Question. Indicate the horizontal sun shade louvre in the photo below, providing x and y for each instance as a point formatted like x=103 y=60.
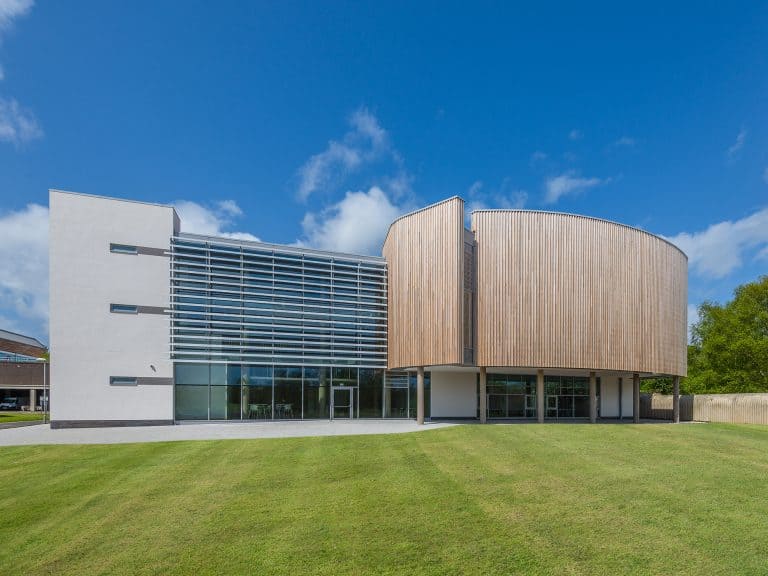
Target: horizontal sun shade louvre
x=123 y=380
x=124 y=308
x=262 y=304
x=123 y=249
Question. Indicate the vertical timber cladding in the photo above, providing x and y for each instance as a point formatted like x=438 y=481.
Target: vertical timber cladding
x=565 y=291
x=424 y=252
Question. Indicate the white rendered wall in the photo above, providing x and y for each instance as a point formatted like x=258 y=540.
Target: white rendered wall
x=88 y=343
x=609 y=396
x=453 y=395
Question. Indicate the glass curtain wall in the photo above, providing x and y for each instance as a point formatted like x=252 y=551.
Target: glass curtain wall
x=400 y=394
x=240 y=391
x=511 y=396
x=514 y=396
x=566 y=396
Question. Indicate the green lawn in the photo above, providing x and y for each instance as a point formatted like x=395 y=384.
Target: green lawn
x=20 y=416
x=529 y=499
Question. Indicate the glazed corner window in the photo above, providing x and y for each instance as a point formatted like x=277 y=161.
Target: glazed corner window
x=123 y=249
x=123 y=380
x=123 y=309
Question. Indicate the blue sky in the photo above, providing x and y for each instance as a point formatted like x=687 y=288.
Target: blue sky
x=319 y=123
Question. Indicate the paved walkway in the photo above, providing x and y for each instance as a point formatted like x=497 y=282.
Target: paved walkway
x=42 y=433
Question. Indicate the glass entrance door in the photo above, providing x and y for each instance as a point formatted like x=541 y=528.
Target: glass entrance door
x=530 y=406
x=552 y=406
x=342 y=402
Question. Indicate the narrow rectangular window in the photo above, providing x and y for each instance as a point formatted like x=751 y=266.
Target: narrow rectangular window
x=123 y=249
x=123 y=380
x=123 y=308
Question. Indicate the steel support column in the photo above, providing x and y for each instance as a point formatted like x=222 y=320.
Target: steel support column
x=540 y=395
x=676 y=400
x=420 y=395
x=636 y=398
x=483 y=395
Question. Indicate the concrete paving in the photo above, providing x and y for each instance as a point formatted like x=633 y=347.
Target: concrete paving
x=42 y=433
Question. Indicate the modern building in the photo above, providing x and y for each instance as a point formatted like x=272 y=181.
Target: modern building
x=525 y=315
x=23 y=371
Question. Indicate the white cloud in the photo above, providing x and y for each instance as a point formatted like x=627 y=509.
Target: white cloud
x=9 y=11
x=17 y=125
x=24 y=270
x=734 y=148
x=625 y=141
x=365 y=142
x=230 y=207
x=538 y=156
x=568 y=183
x=357 y=224
x=211 y=221
x=505 y=198
x=720 y=249
x=575 y=135
x=475 y=189
x=12 y=9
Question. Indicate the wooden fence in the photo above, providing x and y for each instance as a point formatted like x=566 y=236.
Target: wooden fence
x=732 y=408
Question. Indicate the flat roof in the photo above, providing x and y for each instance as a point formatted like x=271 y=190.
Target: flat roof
x=101 y=197
x=283 y=248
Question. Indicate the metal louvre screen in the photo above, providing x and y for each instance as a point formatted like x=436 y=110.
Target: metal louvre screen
x=264 y=304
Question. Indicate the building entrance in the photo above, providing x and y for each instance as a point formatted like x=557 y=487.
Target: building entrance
x=342 y=402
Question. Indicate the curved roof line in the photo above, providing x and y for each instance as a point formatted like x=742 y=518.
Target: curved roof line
x=422 y=209
x=554 y=212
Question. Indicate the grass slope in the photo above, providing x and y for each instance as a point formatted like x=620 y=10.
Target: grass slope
x=549 y=499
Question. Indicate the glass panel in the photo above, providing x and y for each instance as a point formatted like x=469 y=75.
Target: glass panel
x=218 y=402
x=287 y=398
x=516 y=406
x=192 y=374
x=551 y=407
x=345 y=376
x=395 y=402
x=581 y=406
x=412 y=380
x=565 y=406
x=191 y=402
x=530 y=406
x=497 y=406
x=123 y=249
x=218 y=374
x=287 y=392
x=343 y=399
x=257 y=392
x=370 y=392
x=316 y=393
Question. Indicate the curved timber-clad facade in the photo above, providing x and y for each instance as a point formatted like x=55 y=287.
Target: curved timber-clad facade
x=565 y=291
x=424 y=252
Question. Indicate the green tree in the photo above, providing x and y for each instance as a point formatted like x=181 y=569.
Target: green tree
x=729 y=343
